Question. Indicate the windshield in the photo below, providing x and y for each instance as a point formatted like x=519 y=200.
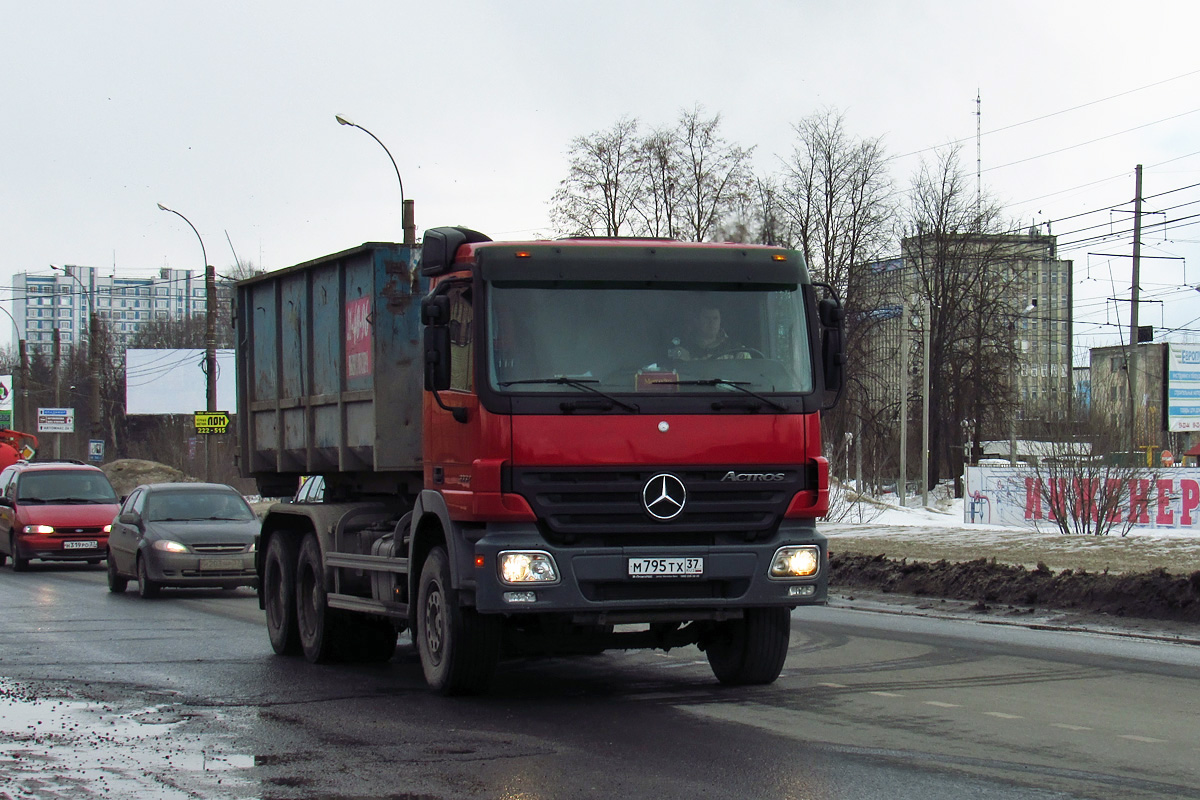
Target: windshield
x=196 y=505
x=65 y=486
x=650 y=338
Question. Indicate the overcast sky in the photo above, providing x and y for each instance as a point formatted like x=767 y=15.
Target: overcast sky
x=224 y=111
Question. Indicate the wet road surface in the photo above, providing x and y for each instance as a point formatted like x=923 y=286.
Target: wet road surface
x=112 y=696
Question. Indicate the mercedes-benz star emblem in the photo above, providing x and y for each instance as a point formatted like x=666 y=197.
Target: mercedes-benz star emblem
x=664 y=496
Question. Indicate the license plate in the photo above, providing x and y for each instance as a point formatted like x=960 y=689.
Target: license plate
x=77 y=545
x=220 y=564
x=665 y=567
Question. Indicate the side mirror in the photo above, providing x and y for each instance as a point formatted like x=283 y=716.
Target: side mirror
x=435 y=310
x=832 y=317
x=437 y=358
x=130 y=518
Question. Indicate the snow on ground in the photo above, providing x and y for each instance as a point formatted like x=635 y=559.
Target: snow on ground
x=932 y=534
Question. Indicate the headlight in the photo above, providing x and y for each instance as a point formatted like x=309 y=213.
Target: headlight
x=796 y=562
x=107 y=529
x=531 y=566
x=39 y=529
x=168 y=546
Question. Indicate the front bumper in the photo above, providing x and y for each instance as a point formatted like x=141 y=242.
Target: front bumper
x=596 y=580
x=53 y=548
x=201 y=571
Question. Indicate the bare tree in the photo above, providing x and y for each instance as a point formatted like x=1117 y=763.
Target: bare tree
x=603 y=184
x=964 y=274
x=714 y=175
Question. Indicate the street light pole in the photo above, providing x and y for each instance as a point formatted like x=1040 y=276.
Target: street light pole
x=406 y=208
x=210 y=336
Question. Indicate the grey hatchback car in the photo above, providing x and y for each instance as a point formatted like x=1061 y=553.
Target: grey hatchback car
x=182 y=535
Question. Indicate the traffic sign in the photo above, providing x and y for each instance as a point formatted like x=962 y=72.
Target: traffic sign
x=56 y=420
x=211 y=421
x=95 y=449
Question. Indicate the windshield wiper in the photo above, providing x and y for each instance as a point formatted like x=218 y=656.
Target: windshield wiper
x=576 y=383
x=739 y=385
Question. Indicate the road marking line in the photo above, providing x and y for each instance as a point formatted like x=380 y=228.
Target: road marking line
x=1146 y=739
x=886 y=694
x=1002 y=715
x=1067 y=727
x=833 y=685
x=942 y=705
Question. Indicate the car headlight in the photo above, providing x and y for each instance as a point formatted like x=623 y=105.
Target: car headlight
x=107 y=528
x=796 y=562
x=39 y=529
x=168 y=546
x=527 y=566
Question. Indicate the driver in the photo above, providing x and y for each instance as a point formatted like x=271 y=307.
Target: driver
x=706 y=339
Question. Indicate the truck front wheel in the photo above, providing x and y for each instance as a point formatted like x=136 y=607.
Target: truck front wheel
x=750 y=650
x=316 y=623
x=279 y=595
x=459 y=647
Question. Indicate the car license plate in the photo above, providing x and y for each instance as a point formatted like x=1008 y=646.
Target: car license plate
x=78 y=545
x=665 y=567
x=220 y=564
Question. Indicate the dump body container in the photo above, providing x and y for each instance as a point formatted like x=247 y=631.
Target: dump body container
x=330 y=363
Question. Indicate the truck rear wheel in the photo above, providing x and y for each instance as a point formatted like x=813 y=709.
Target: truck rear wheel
x=279 y=595
x=459 y=647
x=750 y=650
x=316 y=623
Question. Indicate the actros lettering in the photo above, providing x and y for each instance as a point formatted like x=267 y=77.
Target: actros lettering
x=753 y=477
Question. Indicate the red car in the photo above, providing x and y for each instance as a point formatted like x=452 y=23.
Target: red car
x=54 y=511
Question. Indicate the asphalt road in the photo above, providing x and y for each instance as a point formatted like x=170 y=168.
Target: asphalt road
x=181 y=697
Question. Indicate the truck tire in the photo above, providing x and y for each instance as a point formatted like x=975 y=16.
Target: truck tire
x=279 y=595
x=459 y=647
x=316 y=622
x=750 y=650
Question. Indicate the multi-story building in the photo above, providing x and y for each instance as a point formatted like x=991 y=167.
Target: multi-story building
x=1023 y=284
x=64 y=298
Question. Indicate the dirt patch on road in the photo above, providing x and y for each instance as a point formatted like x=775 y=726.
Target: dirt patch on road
x=1156 y=594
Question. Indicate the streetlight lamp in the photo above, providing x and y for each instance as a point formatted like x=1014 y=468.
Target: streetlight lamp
x=410 y=235
x=210 y=334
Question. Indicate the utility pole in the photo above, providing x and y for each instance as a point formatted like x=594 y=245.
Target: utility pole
x=1131 y=362
x=927 y=324
x=57 y=377
x=902 y=484
x=210 y=357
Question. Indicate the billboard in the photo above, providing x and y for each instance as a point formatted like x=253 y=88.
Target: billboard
x=6 y=401
x=1183 y=387
x=173 y=381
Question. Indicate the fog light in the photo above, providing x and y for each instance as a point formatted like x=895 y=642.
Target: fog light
x=527 y=566
x=796 y=562
x=520 y=597
x=802 y=591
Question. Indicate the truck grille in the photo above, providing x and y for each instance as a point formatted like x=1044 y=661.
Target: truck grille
x=605 y=507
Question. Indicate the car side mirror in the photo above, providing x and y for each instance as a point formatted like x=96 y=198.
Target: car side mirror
x=130 y=518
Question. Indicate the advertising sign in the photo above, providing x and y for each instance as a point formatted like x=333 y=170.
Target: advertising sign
x=1163 y=498
x=56 y=420
x=6 y=401
x=211 y=421
x=1183 y=387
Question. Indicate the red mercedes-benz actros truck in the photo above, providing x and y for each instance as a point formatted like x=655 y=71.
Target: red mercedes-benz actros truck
x=539 y=447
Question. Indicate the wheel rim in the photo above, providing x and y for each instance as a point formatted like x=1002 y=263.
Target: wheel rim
x=435 y=622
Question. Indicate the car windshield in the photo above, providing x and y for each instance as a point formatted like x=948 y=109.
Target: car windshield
x=619 y=338
x=194 y=506
x=65 y=486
